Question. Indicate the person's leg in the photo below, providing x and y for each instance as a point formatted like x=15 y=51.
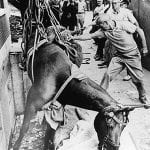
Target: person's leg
x=114 y=68
x=78 y=21
x=100 y=47
x=82 y=20
x=109 y=52
x=137 y=78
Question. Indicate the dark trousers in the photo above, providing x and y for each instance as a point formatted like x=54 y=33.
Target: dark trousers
x=101 y=45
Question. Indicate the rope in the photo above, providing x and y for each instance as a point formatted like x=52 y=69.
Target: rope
x=34 y=49
x=132 y=106
x=53 y=20
x=75 y=73
x=34 y=15
x=59 y=91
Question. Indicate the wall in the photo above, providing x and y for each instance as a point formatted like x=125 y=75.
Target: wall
x=6 y=94
x=141 y=9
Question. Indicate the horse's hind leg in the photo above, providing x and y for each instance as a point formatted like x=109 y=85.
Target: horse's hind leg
x=34 y=103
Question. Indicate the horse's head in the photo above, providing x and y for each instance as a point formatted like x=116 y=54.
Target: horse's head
x=109 y=127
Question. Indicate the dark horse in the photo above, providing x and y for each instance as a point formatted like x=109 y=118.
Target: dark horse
x=109 y=128
x=51 y=68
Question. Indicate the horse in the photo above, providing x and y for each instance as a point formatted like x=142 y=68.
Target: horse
x=48 y=71
x=110 y=128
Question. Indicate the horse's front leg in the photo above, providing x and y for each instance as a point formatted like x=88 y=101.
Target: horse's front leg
x=101 y=129
x=35 y=101
x=30 y=112
x=49 y=137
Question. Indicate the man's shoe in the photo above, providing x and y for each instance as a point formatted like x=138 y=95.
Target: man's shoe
x=127 y=78
x=98 y=58
x=103 y=64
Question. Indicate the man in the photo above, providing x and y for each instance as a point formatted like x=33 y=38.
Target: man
x=69 y=18
x=99 y=42
x=99 y=8
x=127 y=54
x=119 y=13
x=81 y=13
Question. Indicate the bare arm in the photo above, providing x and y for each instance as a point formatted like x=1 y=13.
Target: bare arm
x=142 y=36
x=97 y=34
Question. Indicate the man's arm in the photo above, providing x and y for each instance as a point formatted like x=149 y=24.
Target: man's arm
x=97 y=34
x=142 y=36
x=131 y=17
x=127 y=26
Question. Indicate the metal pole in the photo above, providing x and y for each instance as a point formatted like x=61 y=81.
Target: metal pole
x=17 y=82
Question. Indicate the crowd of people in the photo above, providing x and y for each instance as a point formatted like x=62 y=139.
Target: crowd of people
x=70 y=13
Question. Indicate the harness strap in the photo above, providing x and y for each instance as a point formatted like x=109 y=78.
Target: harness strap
x=112 y=115
x=108 y=140
x=30 y=51
x=77 y=75
x=46 y=106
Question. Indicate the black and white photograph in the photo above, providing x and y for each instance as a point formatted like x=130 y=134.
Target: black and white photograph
x=74 y=75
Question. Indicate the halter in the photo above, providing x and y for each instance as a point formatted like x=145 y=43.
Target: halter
x=107 y=141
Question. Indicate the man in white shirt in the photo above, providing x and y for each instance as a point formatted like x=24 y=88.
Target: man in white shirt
x=118 y=13
x=81 y=13
x=99 y=8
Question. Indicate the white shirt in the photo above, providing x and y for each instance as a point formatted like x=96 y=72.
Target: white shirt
x=121 y=36
x=81 y=6
x=123 y=14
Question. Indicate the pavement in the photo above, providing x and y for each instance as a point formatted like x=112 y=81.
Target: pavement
x=136 y=136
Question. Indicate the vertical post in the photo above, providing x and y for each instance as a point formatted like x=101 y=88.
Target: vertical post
x=139 y=9
x=17 y=82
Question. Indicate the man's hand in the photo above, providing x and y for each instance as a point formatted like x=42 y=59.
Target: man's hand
x=72 y=37
x=144 y=51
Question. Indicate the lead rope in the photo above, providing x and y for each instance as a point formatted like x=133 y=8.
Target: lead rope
x=55 y=22
x=34 y=49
